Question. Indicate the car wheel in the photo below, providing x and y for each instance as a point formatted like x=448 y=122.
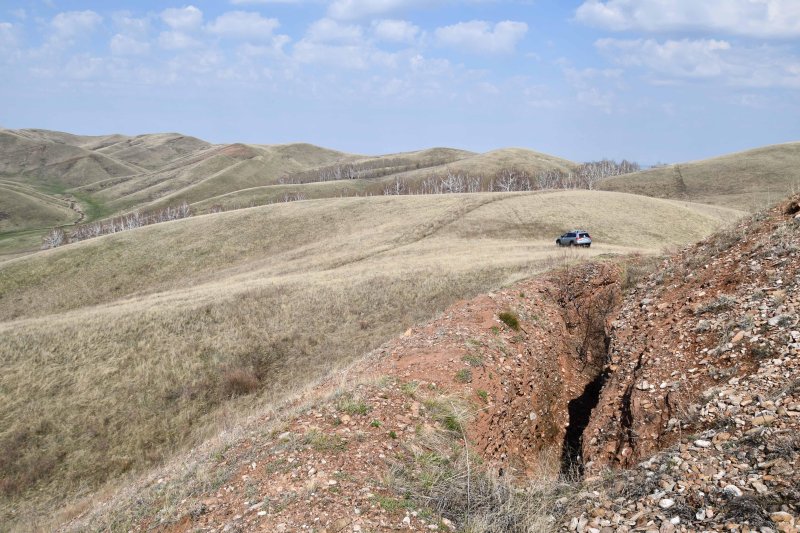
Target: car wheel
x=572 y=243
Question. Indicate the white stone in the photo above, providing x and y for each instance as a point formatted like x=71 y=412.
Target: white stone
x=666 y=503
x=733 y=490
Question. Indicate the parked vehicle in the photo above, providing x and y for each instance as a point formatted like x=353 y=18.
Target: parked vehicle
x=576 y=237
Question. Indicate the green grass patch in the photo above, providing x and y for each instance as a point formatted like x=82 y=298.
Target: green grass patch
x=353 y=406
x=387 y=503
x=409 y=388
x=464 y=375
x=473 y=359
x=323 y=442
x=510 y=319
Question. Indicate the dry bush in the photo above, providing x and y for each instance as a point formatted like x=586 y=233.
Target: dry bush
x=510 y=319
x=238 y=382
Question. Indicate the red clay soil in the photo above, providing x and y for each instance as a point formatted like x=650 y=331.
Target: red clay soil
x=526 y=377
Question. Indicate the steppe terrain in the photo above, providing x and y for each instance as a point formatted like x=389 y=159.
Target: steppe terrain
x=121 y=352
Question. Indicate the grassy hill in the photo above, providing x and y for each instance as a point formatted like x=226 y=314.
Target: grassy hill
x=747 y=180
x=111 y=175
x=119 y=350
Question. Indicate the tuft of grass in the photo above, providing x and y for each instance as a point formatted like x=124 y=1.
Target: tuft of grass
x=353 y=406
x=239 y=381
x=721 y=303
x=473 y=360
x=464 y=376
x=375 y=423
x=510 y=319
x=323 y=442
x=482 y=394
x=390 y=504
x=409 y=388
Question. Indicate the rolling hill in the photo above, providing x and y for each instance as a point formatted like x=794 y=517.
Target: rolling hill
x=747 y=180
x=119 y=350
x=110 y=175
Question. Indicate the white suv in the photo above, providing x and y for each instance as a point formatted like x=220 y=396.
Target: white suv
x=576 y=237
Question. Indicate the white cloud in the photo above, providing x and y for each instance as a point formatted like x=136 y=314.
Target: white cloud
x=125 y=45
x=243 y=25
x=344 y=56
x=74 y=23
x=706 y=59
x=275 y=49
x=182 y=19
x=330 y=31
x=8 y=35
x=176 y=40
x=84 y=67
x=594 y=87
x=686 y=58
x=127 y=24
x=398 y=31
x=479 y=36
x=355 y=9
x=755 y=18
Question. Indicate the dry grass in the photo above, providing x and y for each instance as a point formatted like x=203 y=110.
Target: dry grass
x=118 y=351
x=748 y=180
x=439 y=473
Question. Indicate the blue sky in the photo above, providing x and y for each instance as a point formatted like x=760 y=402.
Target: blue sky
x=648 y=80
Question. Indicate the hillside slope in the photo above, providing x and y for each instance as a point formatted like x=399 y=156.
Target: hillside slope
x=184 y=321
x=696 y=369
x=747 y=180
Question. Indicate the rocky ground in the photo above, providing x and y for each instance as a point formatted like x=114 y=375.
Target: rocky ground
x=686 y=381
x=703 y=402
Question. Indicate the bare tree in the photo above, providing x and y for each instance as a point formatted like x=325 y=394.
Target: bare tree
x=55 y=238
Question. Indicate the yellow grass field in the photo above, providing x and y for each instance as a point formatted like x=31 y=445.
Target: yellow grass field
x=121 y=350
x=749 y=180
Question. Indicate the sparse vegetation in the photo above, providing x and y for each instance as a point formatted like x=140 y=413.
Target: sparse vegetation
x=721 y=303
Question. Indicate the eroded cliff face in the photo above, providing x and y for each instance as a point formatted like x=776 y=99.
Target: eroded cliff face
x=535 y=385
x=714 y=312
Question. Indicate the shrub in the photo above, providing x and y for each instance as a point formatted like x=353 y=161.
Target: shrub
x=238 y=382
x=510 y=319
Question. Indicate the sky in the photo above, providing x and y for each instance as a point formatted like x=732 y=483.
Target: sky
x=653 y=81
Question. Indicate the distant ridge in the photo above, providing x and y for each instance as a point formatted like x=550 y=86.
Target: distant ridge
x=747 y=180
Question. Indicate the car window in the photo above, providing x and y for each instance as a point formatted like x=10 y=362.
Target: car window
x=570 y=234
x=582 y=235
